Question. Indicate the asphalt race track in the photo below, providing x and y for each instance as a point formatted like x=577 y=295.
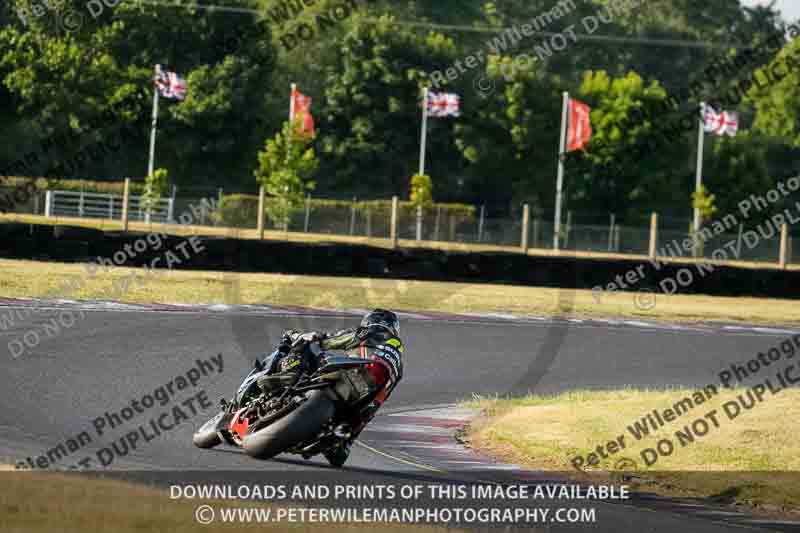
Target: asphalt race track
x=58 y=389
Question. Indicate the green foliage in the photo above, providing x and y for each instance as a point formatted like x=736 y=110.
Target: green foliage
x=740 y=166
x=285 y=168
x=421 y=189
x=366 y=73
x=777 y=105
x=703 y=201
x=620 y=172
x=67 y=84
x=511 y=141
x=372 y=89
x=101 y=187
x=241 y=210
x=155 y=185
x=238 y=211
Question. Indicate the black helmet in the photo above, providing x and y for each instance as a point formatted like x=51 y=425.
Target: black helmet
x=382 y=318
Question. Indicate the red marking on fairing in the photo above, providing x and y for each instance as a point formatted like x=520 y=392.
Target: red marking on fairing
x=380 y=373
x=239 y=427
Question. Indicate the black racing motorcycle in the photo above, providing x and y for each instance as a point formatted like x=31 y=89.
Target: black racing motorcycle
x=300 y=412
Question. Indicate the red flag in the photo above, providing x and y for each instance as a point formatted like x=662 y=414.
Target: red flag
x=302 y=109
x=580 y=126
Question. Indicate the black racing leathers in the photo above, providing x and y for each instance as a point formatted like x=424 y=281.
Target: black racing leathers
x=374 y=342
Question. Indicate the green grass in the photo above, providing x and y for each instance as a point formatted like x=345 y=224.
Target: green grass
x=751 y=459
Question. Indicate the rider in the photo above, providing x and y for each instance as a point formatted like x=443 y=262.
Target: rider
x=377 y=337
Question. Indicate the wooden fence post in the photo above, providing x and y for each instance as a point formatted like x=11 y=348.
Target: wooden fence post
x=611 y=225
x=653 y=235
x=526 y=218
x=353 y=216
x=784 y=259
x=125 y=197
x=261 y=200
x=393 y=229
x=307 y=220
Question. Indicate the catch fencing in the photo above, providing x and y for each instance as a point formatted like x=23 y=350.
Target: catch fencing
x=524 y=229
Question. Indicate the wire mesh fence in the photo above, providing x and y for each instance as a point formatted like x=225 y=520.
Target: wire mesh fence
x=373 y=219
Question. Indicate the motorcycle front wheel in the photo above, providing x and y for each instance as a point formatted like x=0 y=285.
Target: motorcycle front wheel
x=207 y=436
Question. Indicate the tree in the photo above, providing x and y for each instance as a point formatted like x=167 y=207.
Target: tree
x=777 y=104
x=421 y=193
x=285 y=168
x=372 y=93
x=703 y=201
x=628 y=167
x=366 y=71
x=155 y=187
x=510 y=140
x=66 y=84
x=737 y=168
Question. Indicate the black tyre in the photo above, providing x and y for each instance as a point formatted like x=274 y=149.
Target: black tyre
x=206 y=436
x=338 y=456
x=300 y=425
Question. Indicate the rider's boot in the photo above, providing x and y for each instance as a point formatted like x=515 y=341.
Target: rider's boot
x=338 y=456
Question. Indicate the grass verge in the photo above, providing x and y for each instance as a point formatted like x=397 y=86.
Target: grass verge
x=749 y=459
x=35 y=502
x=26 y=279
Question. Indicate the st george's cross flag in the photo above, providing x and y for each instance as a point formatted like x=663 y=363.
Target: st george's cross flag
x=724 y=123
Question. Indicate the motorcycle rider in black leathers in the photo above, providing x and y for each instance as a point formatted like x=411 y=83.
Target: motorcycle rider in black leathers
x=377 y=337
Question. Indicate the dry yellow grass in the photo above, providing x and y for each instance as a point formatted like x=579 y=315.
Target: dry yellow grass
x=23 y=279
x=752 y=457
x=33 y=502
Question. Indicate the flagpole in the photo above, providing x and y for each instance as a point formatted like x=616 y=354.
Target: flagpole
x=424 y=136
x=699 y=175
x=560 y=180
x=154 y=125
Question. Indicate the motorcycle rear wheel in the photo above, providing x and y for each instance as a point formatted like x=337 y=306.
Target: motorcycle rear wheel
x=302 y=424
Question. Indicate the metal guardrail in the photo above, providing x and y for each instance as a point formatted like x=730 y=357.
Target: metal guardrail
x=107 y=206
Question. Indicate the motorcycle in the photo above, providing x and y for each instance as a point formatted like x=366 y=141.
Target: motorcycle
x=300 y=412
